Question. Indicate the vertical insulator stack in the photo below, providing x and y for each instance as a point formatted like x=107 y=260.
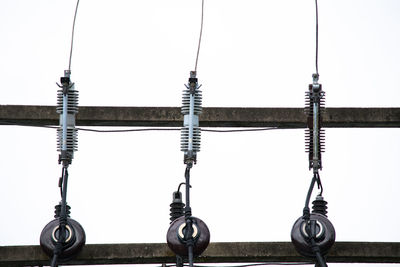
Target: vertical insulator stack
x=67 y=100
x=191 y=109
x=315 y=103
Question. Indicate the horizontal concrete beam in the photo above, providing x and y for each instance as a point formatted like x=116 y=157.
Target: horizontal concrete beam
x=342 y=252
x=211 y=117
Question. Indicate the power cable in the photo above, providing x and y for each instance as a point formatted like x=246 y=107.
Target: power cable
x=11 y=123
x=72 y=36
x=201 y=33
x=71 y=236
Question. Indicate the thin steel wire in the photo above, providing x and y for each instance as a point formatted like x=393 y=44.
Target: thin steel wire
x=72 y=36
x=11 y=123
x=201 y=34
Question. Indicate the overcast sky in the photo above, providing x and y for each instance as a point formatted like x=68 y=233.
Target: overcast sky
x=255 y=53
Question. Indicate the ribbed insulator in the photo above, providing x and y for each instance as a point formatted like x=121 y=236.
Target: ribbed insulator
x=176 y=210
x=322 y=140
x=320 y=206
x=312 y=97
x=308 y=109
x=322 y=102
x=186 y=102
x=310 y=142
x=57 y=211
x=185 y=139
x=73 y=97
x=72 y=109
x=72 y=139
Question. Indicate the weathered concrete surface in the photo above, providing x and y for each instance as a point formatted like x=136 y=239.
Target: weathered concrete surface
x=344 y=252
x=211 y=117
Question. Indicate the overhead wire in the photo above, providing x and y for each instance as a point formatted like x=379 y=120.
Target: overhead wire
x=200 y=35
x=65 y=157
x=72 y=35
x=10 y=123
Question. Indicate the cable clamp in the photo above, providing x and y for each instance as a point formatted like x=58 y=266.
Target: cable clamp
x=65 y=158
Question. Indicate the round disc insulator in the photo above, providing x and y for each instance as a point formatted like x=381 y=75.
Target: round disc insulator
x=75 y=238
x=175 y=237
x=325 y=235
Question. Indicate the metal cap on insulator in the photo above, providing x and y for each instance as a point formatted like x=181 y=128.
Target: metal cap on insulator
x=193 y=80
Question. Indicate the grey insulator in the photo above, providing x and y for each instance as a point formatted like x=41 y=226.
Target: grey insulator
x=72 y=110
x=197 y=97
x=185 y=139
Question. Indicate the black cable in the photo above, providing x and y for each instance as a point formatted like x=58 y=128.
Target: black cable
x=72 y=37
x=318 y=180
x=63 y=214
x=320 y=260
x=10 y=123
x=188 y=217
x=317 y=251
x=201 y=33
x=179 y=187
x=306 y=210
x=316 y=36
x=59 y=247
x=54 y=261
x=187 y=183
x=306 y=217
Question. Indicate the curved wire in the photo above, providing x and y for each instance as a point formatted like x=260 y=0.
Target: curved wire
x=179 y=187
x=310 y=190
x=72 y=37
x=201 y=33
x=12 y=123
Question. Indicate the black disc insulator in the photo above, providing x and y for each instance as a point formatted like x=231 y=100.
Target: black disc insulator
x=176 y=243
x=325 y=235
x=75 y=239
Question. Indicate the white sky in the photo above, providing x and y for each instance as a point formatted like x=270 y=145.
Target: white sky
x=255 y=53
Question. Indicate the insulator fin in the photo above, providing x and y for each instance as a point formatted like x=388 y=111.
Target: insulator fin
x=67 y=93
